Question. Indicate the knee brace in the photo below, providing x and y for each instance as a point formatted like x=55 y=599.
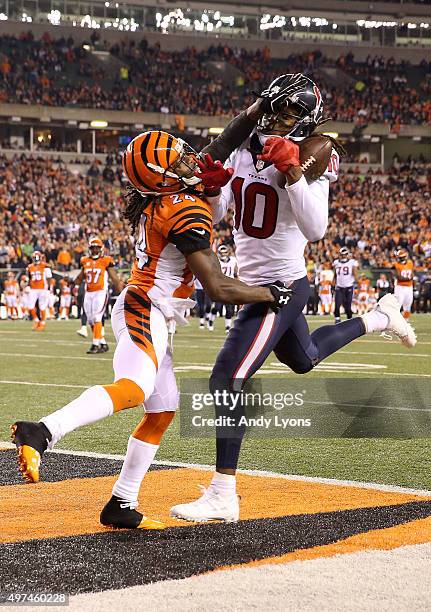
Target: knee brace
x=153 y=426
x=125 y=394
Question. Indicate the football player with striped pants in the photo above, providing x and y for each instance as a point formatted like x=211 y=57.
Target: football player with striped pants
x=169 y=210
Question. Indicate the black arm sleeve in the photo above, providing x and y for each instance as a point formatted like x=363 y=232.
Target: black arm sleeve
x=191 y=240
x=230 y=139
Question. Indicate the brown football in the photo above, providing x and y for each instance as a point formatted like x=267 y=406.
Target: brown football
x=314 y=155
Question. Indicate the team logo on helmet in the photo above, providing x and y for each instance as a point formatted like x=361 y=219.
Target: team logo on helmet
x=156 y=163
x=296 y=97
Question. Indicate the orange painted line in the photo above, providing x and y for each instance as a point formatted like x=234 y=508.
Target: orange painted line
x=415 y=532
x=72 y=507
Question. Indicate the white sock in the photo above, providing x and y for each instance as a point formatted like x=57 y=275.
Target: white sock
x=225 y=484
x=91 y=406
x=375 y=321
x=202 y=322
x=228 y=323
x=139 y=457
x=211 y=318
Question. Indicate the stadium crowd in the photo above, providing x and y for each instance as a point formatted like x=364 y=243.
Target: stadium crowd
x=44 y=206
x=154 y=80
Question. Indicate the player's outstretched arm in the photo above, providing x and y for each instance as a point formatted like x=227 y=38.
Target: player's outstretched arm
x=236 y=131
x=206 y=267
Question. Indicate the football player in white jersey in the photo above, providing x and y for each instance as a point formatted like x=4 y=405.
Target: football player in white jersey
x=346 y=273
x=274 y=220
x=228 y=266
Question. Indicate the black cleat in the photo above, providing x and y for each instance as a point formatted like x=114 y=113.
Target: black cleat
x=121 y=514
x=103 y=348
x=31 y=440
x=93 y=349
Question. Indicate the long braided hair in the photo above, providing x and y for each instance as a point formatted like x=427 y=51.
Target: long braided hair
x=136 y=204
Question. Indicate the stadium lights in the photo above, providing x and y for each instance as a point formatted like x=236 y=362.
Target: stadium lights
x=3 y=17
x=16 y=119
x=54 y=17
x=97 y=123
x=215 y=130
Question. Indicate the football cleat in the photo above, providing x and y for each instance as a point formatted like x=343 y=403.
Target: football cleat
x=93 y=349
x=31 y=440
x=82 y=331
x=103 y=348
x=211 y=506
x=397 y=324
x=122 y=514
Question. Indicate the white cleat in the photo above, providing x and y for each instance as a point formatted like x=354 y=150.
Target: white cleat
x=397 y=325
x=82 y=331
x=211 y=506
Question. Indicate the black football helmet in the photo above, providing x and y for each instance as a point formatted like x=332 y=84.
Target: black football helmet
x=295 y=107
x=344 y=254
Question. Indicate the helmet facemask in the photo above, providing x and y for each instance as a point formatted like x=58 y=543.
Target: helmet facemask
x=95 y=250
x=183 y=167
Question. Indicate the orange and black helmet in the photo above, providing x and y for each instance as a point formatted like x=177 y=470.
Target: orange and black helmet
x=95 y=248
x=401 y=255
x=156 y=163
x=37 y=257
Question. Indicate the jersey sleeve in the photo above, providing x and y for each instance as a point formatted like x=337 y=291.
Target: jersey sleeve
x=109 y=262
x=189 y=226
x=48 y=272
x=331 y=172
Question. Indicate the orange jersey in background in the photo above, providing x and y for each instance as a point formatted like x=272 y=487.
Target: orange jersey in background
x=364 y=285
x=64 y=288
x=38 y=274
x=177 y=220
x=404 y=272
x=325 y=287
x=11 y=287
x=95 y=272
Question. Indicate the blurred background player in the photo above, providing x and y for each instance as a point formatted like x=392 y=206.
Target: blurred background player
x=12 y=293
x=39 y=274
x=345 y=277
x=95 y=270
x=404 y=281
x=203 y=304
x=325 y=281
x=25 y=295
x=229 y=268
x=383 y=285
x=65 y=300
x=313 y=300
x=52 y=298
x=363 y=287
x=79 y=294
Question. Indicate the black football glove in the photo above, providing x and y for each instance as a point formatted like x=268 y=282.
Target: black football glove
x=282 y=295
x=274 y=101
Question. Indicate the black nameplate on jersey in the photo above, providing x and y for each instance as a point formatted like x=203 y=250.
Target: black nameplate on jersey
x=255 y=149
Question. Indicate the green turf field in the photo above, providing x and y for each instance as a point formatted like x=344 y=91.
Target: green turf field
x=42 y=371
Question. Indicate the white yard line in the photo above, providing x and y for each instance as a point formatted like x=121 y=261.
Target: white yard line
x=260 y=473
